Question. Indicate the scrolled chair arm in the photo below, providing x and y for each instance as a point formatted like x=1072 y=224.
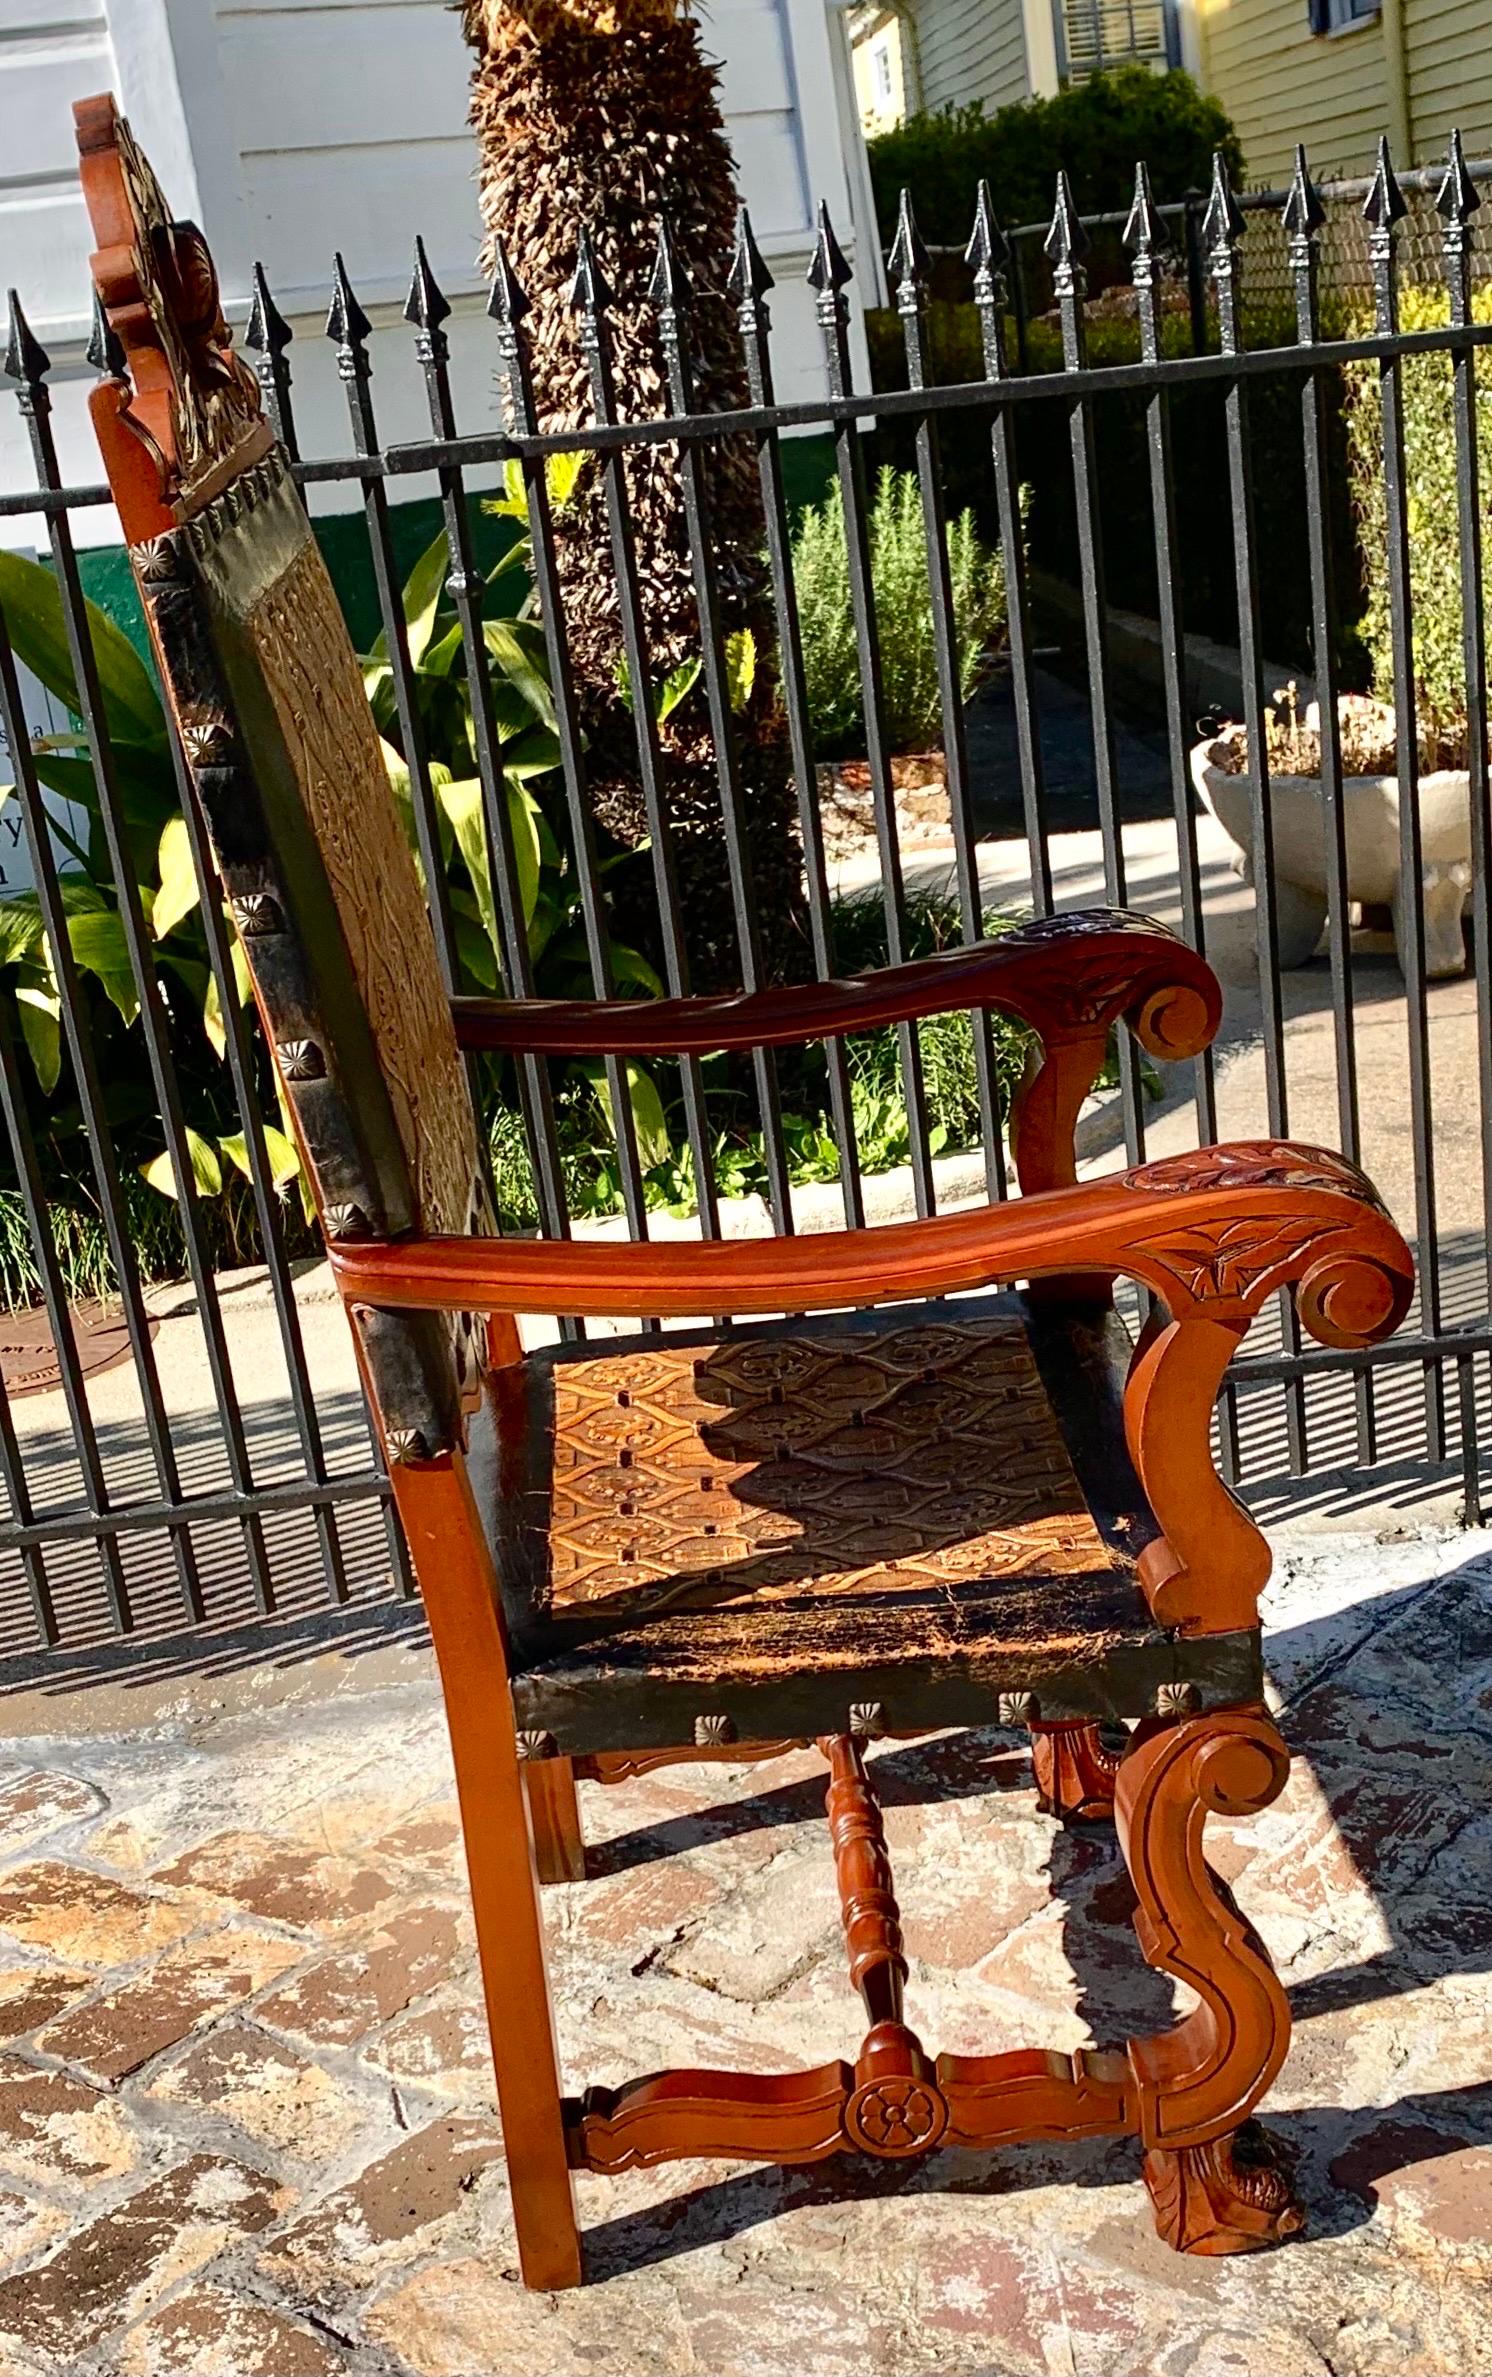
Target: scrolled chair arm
x=1070 y=973
x=1213 y=1234
x=1069 y=977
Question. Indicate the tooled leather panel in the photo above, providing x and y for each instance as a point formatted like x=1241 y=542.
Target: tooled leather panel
x=301 y=643
x=913 y=1463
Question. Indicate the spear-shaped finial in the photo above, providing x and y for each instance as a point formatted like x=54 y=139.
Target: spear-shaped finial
x=1384 y=205
x=1145 y=231
x=26 y=359
x=749 y=278
x=1145 y=238
x=749 y=284
x=1303 y=213
x=1066 y=242
x=1458 y=197
x=828 y=267
x=427 y=305
x=1222 y=225
x=987 y=250
x=1457 y=201
x=1384 y=209
x=105 y=350
x=668 y=285
x=507 y=301
x=345 y=321
x=266 y=332
x=909 y=262
x=590 y=293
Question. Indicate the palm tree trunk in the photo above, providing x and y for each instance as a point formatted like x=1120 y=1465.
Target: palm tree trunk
x=606 y=120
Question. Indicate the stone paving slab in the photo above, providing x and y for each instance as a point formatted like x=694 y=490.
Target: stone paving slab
x=246 y=2121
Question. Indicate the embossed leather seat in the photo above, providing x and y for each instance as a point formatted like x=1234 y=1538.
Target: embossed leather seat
x=841 y=1524
x=699 y=1532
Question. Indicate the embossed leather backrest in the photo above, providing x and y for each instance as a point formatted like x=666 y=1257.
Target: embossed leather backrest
x=259 y=669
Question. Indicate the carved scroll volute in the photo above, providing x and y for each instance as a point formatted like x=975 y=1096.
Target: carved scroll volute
x=190 y=417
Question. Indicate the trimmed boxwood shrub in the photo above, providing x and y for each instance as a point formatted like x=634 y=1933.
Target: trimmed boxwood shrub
x=1096 y=130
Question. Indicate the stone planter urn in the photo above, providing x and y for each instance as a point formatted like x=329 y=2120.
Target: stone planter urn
x=1373 y=880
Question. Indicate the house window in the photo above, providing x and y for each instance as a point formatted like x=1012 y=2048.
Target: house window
x=1095 y=34
x=880 y=77
x=1335 y=16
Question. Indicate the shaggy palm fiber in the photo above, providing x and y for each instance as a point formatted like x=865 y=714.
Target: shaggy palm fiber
x=605 y=120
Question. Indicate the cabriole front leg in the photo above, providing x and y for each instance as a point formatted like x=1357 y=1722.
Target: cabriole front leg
x=1216 y=2180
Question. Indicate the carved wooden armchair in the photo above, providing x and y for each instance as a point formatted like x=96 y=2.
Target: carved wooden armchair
x=704 y=1544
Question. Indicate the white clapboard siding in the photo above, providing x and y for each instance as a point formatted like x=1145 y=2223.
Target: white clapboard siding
x=971 y=50
x=51 y=52
x=294 y=128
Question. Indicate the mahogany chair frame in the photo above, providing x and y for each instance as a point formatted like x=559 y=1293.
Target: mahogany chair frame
x=434 y=1301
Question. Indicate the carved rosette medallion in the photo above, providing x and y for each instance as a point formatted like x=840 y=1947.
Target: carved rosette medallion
x=895 y=2116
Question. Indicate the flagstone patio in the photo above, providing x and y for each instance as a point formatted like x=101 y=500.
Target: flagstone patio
x=245 y=2109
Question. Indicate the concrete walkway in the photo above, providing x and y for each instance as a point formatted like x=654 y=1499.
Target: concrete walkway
x=246 y=2122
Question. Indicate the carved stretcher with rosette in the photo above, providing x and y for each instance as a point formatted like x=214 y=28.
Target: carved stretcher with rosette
x=931 y=1499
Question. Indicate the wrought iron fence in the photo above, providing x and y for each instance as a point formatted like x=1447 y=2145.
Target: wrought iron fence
x=148 y=1524
x=1265 y=278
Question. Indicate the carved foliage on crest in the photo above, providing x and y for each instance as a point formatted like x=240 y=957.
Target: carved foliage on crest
x=195 y=404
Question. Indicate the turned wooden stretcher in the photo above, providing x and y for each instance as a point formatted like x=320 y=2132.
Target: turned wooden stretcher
x=946 y=1491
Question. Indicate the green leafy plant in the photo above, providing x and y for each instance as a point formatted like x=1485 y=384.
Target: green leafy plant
x=898 y=542
x=1430 y=453
x=156 y=848
x=547 y=879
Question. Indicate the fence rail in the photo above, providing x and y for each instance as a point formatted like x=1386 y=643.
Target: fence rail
x=110 y=1523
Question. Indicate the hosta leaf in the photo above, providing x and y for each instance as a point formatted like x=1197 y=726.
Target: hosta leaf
x=207 y=1172
x=631 y=971
x=653 y=1143
x=517 y=648
x=20 y=927
x=177 y=896
x=40 y=1011
x=649 y=1124
x=461 y=802
x=423 y=590
x=98 y=944
x=676 y=685
x=284 y=1163
x=523 y=817
x=443 y=658
x=561 y=474
x=740 y=667
x=533 y=753
x=32 y=602
x=147 y=789
x=474 y=946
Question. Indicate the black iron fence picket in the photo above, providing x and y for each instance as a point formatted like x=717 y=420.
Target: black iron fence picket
x=76 y=1541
